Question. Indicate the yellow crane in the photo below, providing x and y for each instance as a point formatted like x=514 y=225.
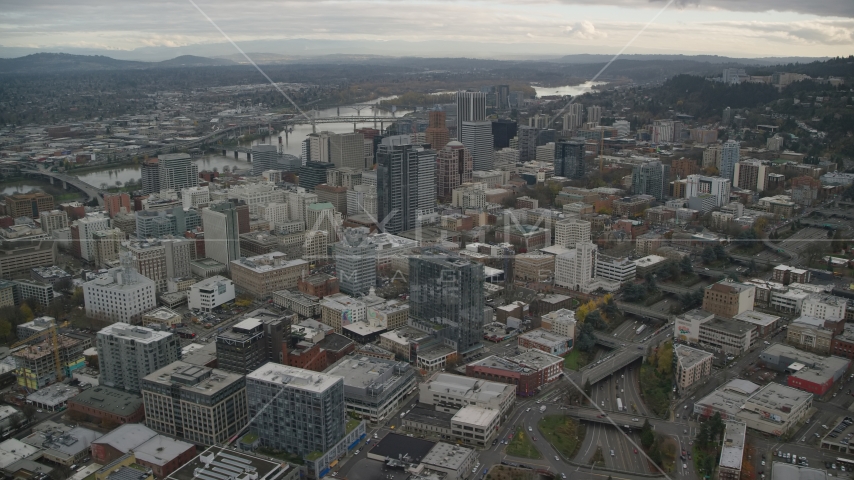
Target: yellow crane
x=54 y=342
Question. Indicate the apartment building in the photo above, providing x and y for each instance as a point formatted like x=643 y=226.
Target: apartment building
x=119 y=295
x=126 y=354
x=727 y=298
x=374 y=388
x=449 y=393
x=692 y=365
x=201 y=405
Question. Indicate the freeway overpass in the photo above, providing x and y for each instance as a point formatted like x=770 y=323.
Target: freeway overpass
x=608 y=341
x=89 y=190
x=589 y=414
x=643 y=311
x=596 y=372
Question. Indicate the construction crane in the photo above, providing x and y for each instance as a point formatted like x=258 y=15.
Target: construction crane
x=54 y=342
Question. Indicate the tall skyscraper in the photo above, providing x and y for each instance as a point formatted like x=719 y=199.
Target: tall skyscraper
x=454 y=165
x=471 y=107
x=222 y=236
x=313 y=174
x=323 y=217
x=503 y=130
x=594 y=114
x=406 y=188
x=264 y=157
x=503 y=97
x=355 y=261
x=446 y=297
x=651 y=178
x=575 y=269
x=177 y=171
x=150 y=173
x=437 y=131
x=477 y=137
x=347 y=150
x=127 y=353
x=574 y=116
x=718 y=187
x=527 y=143
x=729 y=157
x=540 y=120
x=572 y=231
x=569 y=158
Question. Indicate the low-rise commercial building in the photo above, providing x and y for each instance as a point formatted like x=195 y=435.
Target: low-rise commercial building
x=775 y=409
x=807 y=371
x=210 y=293
x=732 y=451
x=374 y=388
x=449 y=393
x=546 y=341
x=765 y=324
x=242 y=465
x=105 y=405
x=561 y=322
x=727 y=298
x=809 y=333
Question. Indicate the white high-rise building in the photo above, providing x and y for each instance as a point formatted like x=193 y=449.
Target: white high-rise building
x=318 y=147
x=471 y=107
x=594 y=114
x=264 y=157
x=53 y=220
x=297 y=203
x=477 y=138
x=256 y=193
x=322 y=216
x=362 y=199
x=729 y=157
x=222 y=238
x=356 y=261
x=120 y=295
x=177 y=171
x=128 y=353
x=623 y=128
x=347 y=150
x=276 y=213
x=577 y=268
x=574 y=116
x=86 y=227
x=718 y=187
x=662 y=131
x=572 y=231
x=195 y=197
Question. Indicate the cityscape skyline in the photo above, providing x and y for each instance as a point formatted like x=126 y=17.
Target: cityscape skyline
x=756 y=29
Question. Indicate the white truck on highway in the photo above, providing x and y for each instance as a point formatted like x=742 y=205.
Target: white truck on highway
x=542 y=409
x=640 y=329
x=619 y=405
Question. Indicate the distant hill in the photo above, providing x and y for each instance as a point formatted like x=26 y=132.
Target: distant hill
x=592 y=58
x=65 y=62
x=194 y=61
x=262 y=58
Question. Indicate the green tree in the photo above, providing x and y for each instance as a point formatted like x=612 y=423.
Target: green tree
x=685 y=265
x=5 y=329
x=27 y=312
x=708 y=255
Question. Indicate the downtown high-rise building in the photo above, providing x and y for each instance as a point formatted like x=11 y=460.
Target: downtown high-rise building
x=594 y=114
x=437 y=134
x=295 y=410
x=503 y=130
x=651 y=178
x=222 y=236
x=729 y=157
x=477 y=138
x=446 y=297
x=355 y=261
x=177 y=171
x=313 y=174
x=502 y=93
x=150 y=176
x=406 y=188
x=569 y=158
x=571 y=232
x=264 y=157
x=454 y=165
x=574 y=116
x=576 y=269
x=471 y=107
x=347 y=150
x=126 y=354
x=527 y=143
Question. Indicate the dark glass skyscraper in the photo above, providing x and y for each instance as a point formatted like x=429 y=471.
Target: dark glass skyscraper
x=502 y=131
x=569 y=158
x=313 y=174
x=406 y=184
x=446 y=297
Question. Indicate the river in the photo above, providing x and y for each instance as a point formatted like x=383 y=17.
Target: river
x=124 y=173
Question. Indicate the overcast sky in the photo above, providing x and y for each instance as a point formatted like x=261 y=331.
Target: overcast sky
x=741 y=28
